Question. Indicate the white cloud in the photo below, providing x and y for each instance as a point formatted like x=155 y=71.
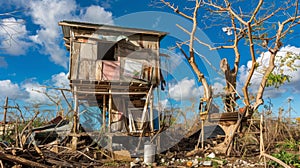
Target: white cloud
x=60 y=80
x=13 y=36
x=9 y=89
x=263 y=60
x=96 y=14
x=218 y=88
x=37 y=92
x=187 y=89
x=31 y=91
x=184 y=90
x=34 y=92
x=47 y=13
x=163 y=104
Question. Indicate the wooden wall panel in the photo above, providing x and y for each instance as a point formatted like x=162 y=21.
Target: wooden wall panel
x=86 y=65
x=87 y=70
x=75 y=60
x=88 y=51
x=98 y=70
x=83 y=70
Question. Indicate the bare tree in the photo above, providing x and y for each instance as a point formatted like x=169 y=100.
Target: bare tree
x=261 y=26
x=7 y=22
x=252 y=27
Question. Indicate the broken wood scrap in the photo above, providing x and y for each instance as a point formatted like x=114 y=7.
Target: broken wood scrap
x=62 y=163
x=23 y=161
x=232 y=135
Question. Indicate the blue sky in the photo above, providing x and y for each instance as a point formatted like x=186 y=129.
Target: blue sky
x=34 y=55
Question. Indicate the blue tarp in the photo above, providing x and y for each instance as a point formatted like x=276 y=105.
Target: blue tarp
x=90 y=117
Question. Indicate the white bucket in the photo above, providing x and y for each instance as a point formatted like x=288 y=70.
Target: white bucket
x=149 y=153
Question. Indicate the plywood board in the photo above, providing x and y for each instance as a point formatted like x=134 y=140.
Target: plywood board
x=87 y=70
x=88 y=51
x=74 y=60
x=83 y=73
x=98 y=70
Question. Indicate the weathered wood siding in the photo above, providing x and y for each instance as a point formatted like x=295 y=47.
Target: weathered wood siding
x=75 y=61
x=137 y=54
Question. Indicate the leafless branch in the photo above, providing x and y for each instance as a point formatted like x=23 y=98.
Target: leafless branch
x=176 y=10
x=203 y=43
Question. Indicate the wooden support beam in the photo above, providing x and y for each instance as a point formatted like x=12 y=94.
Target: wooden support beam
x=151 y=114
x=112 y=93
x=202 y=134
x=104 y=113
x=109 y=109
x=75 y=121
x=144 y=117
x=146 y=105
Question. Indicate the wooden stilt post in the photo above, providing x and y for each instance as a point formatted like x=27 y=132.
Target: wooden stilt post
x=146 y=105
x=144 y=117
x=4 y=117
x=75 y=121
x=202 y=134
x=151 y=120
x=109 y=110
x=159 y=128
x=104 y=113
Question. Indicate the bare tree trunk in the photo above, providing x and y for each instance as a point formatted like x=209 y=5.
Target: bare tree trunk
x=230 y=76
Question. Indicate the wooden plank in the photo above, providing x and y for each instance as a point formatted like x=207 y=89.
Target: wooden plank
x=202 y=134
x=151 y=114
x=88 y=51
x=21 y=160
x=112 y=93
x=146 y=105
x=75 y=61
x=98 y=70
x=223 y=116
x=92 y=72
x=150 y=42
x=87 y=70
x=75 y=121
x=109 y=109
x=109 y=29
x=104 y=113
x=134 y=39
x=83 y=70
